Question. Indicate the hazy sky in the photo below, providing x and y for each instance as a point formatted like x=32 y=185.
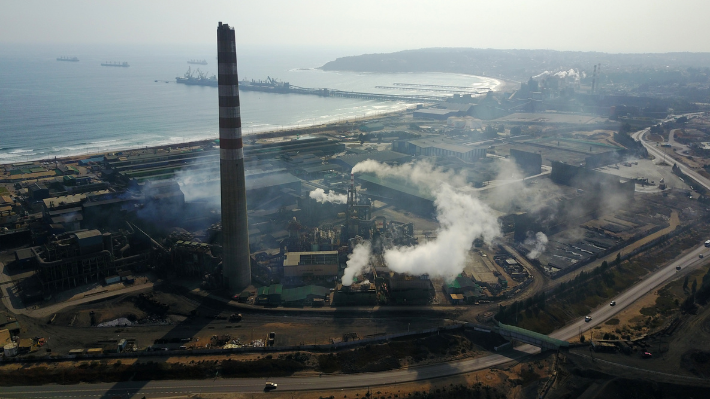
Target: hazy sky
x=374 y=25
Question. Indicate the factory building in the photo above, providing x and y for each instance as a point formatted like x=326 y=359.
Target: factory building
x=266 y=186
x=387 y=157
x=76 y=258
x=412 y=198
x=165 y=194
x=189 y=258
x=66 y=201
x=321 y=264
x=463 y=289
x=319 y=146
x=598 y=183
x=438 y=148
x=411 y=291
x=312 y=295
x=605 y=158
x=530 y=163
x=363 y=294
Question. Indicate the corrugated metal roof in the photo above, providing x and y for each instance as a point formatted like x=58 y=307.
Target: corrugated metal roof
x=396 y=184
x=294 y=258
x=302 y=293
x=87 y=234
x=379 y=156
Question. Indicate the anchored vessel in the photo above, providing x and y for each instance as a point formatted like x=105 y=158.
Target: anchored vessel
x=70 y=59
x=197 y=78
x=115 y=64
x=198 y=62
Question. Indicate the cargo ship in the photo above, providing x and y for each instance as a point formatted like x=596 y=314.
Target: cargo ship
x=115 y=64
x=270 y=85
x=197 y=78
x=69 y=59
x=198 y=62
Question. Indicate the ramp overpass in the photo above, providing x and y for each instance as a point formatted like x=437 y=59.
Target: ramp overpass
x=512 y=333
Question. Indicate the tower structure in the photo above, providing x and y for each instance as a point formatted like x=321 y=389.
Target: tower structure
x=235 y=235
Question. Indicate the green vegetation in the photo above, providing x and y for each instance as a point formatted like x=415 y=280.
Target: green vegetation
x=588 y=290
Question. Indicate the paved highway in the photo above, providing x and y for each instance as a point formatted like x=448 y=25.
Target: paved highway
x=658 y=153
x=686 y=263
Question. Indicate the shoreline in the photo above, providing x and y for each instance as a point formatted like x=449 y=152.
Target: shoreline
x=501 y=85
x=316 y=129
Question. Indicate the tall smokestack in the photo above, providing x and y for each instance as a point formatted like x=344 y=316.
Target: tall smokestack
x=235 y=235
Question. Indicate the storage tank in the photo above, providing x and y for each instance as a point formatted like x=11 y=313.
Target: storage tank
x=10 y=349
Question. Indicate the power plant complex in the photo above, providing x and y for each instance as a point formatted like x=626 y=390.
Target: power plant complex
x=235 y=234
x=457 y=209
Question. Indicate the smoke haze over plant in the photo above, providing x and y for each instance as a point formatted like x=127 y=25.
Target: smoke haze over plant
x=539 y=242
x=320 y=196
x=462 y=218
x=357 y=262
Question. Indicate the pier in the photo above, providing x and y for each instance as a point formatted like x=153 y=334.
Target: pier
x=274 y=86
x=347 y=94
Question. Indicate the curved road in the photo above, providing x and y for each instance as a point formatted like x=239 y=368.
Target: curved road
x=658 y=153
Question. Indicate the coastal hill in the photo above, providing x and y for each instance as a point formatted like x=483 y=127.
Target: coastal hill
x=511 y=64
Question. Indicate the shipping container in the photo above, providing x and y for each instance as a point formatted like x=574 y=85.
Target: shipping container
x=112 y=280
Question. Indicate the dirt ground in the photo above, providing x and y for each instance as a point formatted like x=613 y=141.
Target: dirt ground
x=72 y=329
x=518 y=380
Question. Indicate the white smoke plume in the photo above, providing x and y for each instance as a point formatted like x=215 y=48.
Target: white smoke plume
x=539 y=241
x=462 y=218
x=320 y=196
x=357 y=262
x=200 y=185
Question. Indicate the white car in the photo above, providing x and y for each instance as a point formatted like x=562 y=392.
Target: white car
x=270 y=385
x=587 y=318
x=612 y=303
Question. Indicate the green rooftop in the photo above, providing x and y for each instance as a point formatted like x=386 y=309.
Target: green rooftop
x=535 y=335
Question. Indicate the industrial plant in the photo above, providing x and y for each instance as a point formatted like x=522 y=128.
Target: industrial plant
x=496 y=208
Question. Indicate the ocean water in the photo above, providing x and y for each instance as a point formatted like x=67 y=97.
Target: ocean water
x=50 y=108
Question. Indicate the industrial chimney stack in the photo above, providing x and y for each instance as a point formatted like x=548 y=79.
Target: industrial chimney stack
x=235 y=234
